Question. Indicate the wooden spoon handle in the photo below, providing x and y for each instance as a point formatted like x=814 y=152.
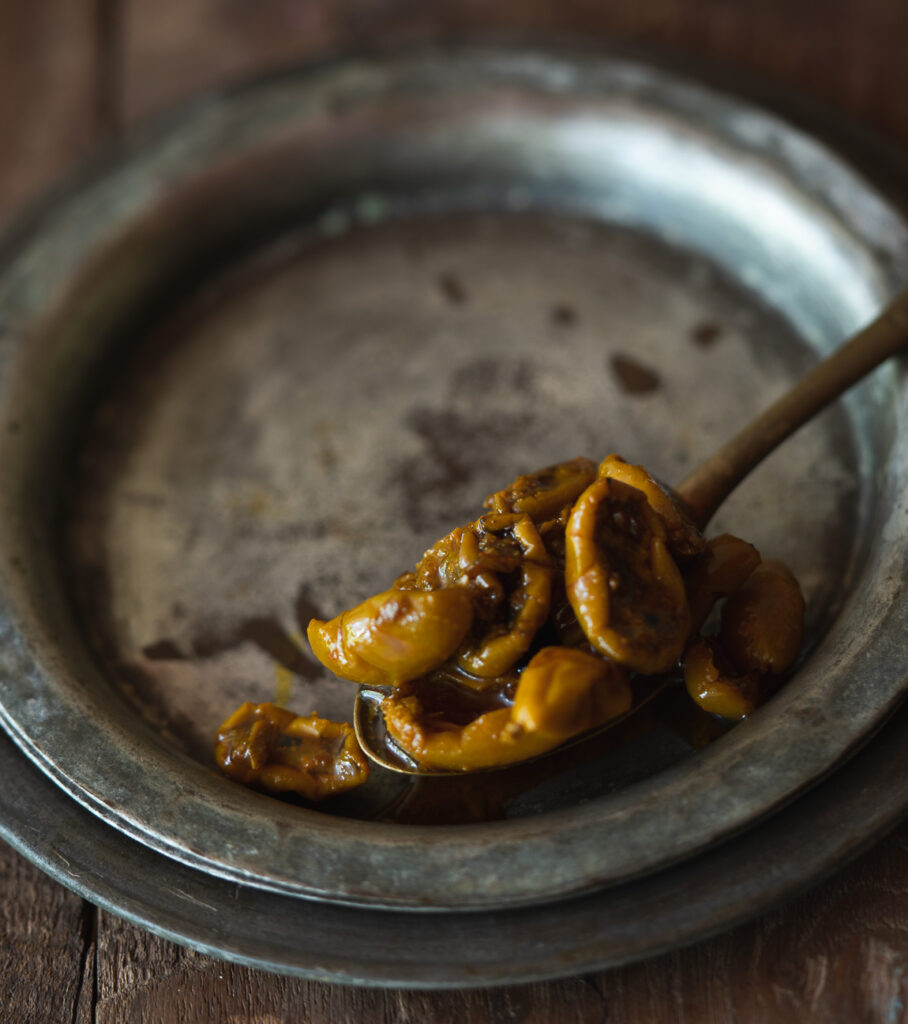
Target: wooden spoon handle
x=711 y=483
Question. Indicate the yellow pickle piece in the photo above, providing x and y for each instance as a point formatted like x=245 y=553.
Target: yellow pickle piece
x=501 y=638
x=713 y=687
x=271 y=748
x=684 y=539
x=562 y=692
x=394 y=636
x=723 y=568
x=763 y=621
x=622 y=583
x=542 y=495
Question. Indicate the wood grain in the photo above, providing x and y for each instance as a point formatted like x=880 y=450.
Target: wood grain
x=846 y=55
x=49 y=107
x=837 y=954
x=45 y=935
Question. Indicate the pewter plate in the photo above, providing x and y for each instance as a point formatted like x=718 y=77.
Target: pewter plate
x=436 y=949
x=251 y=367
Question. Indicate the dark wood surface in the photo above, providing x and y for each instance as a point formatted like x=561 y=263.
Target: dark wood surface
x=73 y=73
x=837 y=954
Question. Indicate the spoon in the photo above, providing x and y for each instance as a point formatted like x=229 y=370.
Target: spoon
x=704 y=490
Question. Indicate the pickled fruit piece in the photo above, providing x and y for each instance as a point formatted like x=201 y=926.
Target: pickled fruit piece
x=394 y=636
x=552 y=534
x=544 y=493
x=561 y=693
x=504 y=642
x=510 y=551
x=270 y=748
x=763 y=622
x=713 y=684
x=684 y=539
x=561 y=617
x=440 y=566
x=328 y=645
x=490 y=741
x=621 y=581
x=564 y=691
x=502 y=563
x=495 y=543
x=724 y=566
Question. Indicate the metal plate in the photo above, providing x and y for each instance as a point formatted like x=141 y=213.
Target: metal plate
x=328 y=942
x=468 y=243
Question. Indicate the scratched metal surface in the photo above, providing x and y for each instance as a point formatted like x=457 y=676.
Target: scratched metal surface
x=291 y=338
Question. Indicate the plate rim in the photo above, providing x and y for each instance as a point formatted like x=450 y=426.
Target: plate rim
x=728 y=884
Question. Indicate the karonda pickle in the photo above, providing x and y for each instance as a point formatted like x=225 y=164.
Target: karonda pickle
x=726 y=564
x=683 y=538
x=271 y=748
x=623 y=584
x=526 y=590
x=562 y=692
x=714 y=686
x=543 y=494
x=762 y=626
x=763 y=621
x=544 y=611
x=394 y=636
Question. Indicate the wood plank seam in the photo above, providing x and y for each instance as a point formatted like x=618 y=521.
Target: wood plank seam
x=85 y=1005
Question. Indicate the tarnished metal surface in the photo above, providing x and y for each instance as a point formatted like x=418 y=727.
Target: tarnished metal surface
x=488 y=262
x=699 y=897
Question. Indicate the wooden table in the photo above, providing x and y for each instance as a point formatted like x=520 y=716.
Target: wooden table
x=75 y=73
